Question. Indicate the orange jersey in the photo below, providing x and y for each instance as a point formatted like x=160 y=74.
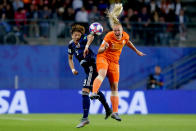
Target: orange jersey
x=115 y=46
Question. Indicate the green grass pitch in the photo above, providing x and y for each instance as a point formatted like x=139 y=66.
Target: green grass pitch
x=68 y=122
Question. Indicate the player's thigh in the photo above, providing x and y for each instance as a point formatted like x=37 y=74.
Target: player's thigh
x=101 y=63
x=113 y=72
x=91 y=74
x=86 y=87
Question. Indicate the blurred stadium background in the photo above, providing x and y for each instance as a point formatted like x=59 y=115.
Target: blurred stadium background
x=35 y=75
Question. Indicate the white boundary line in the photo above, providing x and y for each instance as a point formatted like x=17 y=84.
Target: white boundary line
x=27 y=119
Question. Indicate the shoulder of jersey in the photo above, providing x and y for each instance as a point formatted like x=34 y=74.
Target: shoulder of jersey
x=125 y=33
x=109 y=34
x=70 y=42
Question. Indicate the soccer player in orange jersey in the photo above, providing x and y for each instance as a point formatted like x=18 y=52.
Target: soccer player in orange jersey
x=108 y=58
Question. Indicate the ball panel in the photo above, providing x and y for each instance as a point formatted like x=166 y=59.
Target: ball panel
x=96 y=28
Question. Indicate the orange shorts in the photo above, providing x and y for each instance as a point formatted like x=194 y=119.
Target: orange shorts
x=111 y=67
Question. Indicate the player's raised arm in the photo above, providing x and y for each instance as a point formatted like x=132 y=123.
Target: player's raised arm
x=90 y=39
x=71 y=65
x=104 y=45
x=130 y=45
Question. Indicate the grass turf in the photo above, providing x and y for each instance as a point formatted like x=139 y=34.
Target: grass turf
x=67 y=122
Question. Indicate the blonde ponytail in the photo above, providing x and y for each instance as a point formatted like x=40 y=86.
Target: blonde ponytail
x=114 y=13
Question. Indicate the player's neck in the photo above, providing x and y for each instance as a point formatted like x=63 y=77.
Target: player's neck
x=76 y=42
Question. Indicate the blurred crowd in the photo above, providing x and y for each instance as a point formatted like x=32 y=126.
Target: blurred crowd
x=138 y=17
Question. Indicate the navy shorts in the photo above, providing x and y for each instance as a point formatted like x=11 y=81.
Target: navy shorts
x=91 y=74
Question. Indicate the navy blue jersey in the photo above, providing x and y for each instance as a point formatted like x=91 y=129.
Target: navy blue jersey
x=78 y=50
x=88 y=63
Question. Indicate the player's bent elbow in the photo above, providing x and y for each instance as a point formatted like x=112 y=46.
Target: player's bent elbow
x=101 y=50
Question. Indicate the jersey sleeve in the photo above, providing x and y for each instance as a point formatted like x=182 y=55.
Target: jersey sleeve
x=106 y=39
x=127 y=37
x=70 y=50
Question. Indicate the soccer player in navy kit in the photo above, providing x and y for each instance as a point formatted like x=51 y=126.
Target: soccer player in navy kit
x=79 y=47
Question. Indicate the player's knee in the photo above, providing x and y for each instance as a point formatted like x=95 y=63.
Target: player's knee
x=100 y=77
x=102 y=73
x=85 y=91
x=114 y=86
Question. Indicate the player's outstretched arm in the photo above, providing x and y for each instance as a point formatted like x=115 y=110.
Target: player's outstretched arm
x=71 y=65
x=130 y=45
x=90 y=39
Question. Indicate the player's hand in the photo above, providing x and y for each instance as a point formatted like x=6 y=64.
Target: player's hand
x=106 y=46
x=75 y=72
x=103 y=48
x=140 y=53
x=85 y=52
x=153 y=81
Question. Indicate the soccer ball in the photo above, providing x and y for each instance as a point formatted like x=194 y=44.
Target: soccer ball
x=96 y=28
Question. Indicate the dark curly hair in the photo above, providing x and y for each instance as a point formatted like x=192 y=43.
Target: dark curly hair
x=78 y=28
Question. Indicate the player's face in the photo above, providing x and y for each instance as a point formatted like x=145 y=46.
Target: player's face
x=157 y=70
x=76 y=36
x=118 y=31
